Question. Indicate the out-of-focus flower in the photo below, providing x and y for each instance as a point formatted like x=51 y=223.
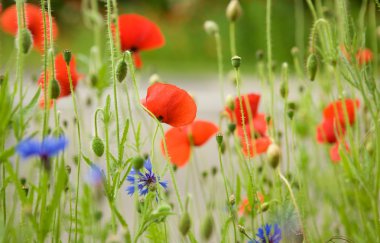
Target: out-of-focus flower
x=34 y=23
x=245 y=208
x=265 y=234
x=95 y=176
x=334 y=151
x=170 y=104
x=138 y=33
x=144 y=181
x=62 y=76
x=336 y=117
x=363 y=55
x=49 y=147
x=180 y=139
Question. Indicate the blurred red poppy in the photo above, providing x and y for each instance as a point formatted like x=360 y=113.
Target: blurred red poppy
x=34 y=22
x=180 y=139
x=170 y=104
x=334 y=151
x=256 y=146
x=61 y=75
x=245 y=208
x=250 y=107
x=138 y=33
x=364 y=56
x=338 y=110
x=329 y=131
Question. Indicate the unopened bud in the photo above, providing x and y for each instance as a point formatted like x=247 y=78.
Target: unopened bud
x=67 y=56
x=55 y=89
x=233 y=11
x=98 y=146
x=241 y=229
x=236 y=60
x=294 y=51
x=185 y=224
x=207 y=227
x=230 y=102
x=26 y=41
x=121 y=70
x=232 y=200
x=264 y=207
x=68 y=169
x=312 y=66
x=154 y=79
x=211 y=27
x=138 y=163
x=231 y=127
x=219 y=138
x=273 y=154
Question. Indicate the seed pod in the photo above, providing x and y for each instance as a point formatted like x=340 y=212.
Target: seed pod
x=219 y=138
x=273 y=154
x=67 y=56
x=233 y=11
x=264 y=207
x=231 y=127
x=26 y=41
x=312 y=66
x=232 y=200
x=207 y=227
x=98 y=146
x=55 y=89
x=236 y=60
x=138 y=163
x=121 y=70
x=185 y=224
x=211 y=27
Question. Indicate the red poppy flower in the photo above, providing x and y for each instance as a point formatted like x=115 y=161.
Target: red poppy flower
x=138 y=33
x=334 y=151
x=250 y=107
x=256 y=146
x=364 y=56
x=329 y=131
x=34 y=22
x=179 y=140
x=336 y=110
x=245 y=208
x=170 y=104
x=62 y=76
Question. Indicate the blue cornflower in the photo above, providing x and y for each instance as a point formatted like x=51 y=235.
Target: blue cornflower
x=264 y=234
x=95 y=176
x=50 y=146
x=145 y=181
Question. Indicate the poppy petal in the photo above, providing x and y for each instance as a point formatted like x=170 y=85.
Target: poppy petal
x=171 y=104
x=201 y=131
x=364 y=56
x=250 y=103
x=260 y=124
x=178 y=146
x=138 y=32
x=329 y=131
x=334 y=152
x=257 y=146
x=137 y=59
x=335 y=110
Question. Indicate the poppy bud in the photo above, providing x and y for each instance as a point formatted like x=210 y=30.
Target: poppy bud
x=67 y=56
x=219 y=138
x=68 y=169
x=214 y=170
x=121 y=70
x=55 y=89
x=291 y=114
x=154 y=79
x=230 y=102
x=312 y=66
x=264 y=207
x=284 y=90
x=98 y=146
x=241 y=229
x=211 y=27
x=138 y=163
x=231 y=127
x=26 y=41
x=233 y=11
x=185 y=224
x=207 y=227
x=294 y=51
x=273 y=154
x=232 y=200
x=98 y=215
x=236 y=60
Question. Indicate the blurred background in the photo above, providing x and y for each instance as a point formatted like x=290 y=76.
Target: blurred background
x=188 y=48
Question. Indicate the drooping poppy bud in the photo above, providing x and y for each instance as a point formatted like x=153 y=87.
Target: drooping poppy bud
x=185 y=223
x=26 y=41
x=138 y=163
x=121 y=70
x=55 y=89
x=211 y=27
x=273 y=154
x=312 y=66
x=233 y=11
x=207 y=226
x=98 y=146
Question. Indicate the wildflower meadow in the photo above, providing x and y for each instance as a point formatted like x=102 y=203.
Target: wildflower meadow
x=184 y=121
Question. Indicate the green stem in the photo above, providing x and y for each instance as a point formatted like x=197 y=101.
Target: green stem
x=219 y=53
x=232 y=39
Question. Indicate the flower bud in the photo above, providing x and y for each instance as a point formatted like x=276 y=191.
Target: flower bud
x=232 y=200
x=294 y=51
x=219 y=138
x=26 y=41
x=121 y=70
x=273 y=154
x=185 y=224
x=230 y=102
x=154 y=79
x=241 y=229
x=312 y=66
x=231 y=127
x=67 y=56
x=211 y=27
x=264 y=207
x=55 y=89
x=98 y=146
x=207 y=226
x=233 y=11
x=284 y=90
x=138 y=163
x=236 y=60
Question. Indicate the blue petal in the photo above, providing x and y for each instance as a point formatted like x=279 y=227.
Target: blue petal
x=28 y=147
x=95 y=175
x=52 y=146
x=268 y=228
x=144 y=191
x=164 y=184
x=130 y=190
x=148 y=165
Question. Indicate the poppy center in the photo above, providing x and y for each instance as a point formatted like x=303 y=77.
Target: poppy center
x=134 y=49
x=160 y=118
